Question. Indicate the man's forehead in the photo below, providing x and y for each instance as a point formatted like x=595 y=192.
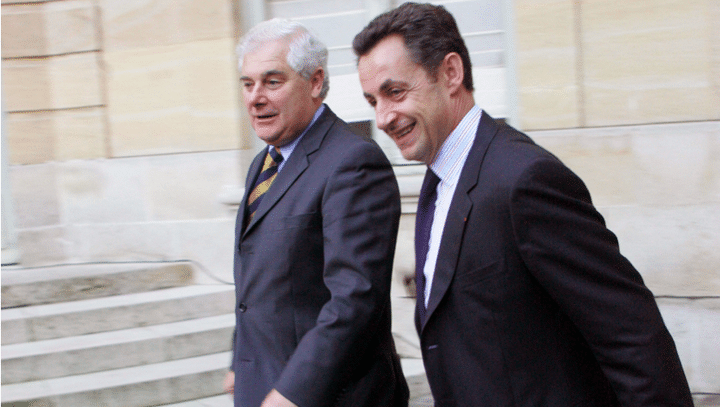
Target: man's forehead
x=389 y=55
x=381 y=77
x=269 y=57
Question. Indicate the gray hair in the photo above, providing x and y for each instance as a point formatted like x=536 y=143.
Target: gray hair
x=306 y=52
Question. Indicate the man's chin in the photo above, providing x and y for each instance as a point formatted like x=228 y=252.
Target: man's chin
x=267 y=137
x=409 y=155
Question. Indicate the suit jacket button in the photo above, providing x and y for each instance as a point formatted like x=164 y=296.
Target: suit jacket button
x=242 y=307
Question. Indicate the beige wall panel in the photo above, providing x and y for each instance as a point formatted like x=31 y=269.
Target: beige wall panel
x=146 y=79
x=647 y=61
x=551 y=101
x=23 y=31
x=213 y=93
x=656 y=165
x=26 y=84
x=604 y=162
x=714 y=13
x=157 y=133
x=48 y=29
x=147 y=101
x=677 y=169
x=173 y=99
x=205 y=20
x=70 y=27
x=79 y=134
x=139 y=23
x=75 y=81
x=673 y=247
x=59 y=82
x=131 y=24
x=40 y=137
x=30 y=138
x=546 y=64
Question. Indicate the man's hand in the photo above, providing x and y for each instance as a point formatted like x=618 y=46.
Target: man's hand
x=275 y=399
x=229 y=382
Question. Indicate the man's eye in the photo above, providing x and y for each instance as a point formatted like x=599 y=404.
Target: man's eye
x=273 y=83
x=395 y=93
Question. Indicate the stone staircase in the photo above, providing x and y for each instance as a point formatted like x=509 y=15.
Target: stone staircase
x=125 y=335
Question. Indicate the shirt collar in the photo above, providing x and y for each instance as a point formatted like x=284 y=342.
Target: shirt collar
x=454 y=151
x=287 y=149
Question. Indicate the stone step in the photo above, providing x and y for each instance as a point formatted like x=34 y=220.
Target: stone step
x=149 y=385
x=420 y=395
x=53 y=284
x=42 y=322
x=31 y=361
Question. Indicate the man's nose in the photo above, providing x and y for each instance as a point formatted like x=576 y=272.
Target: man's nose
x=255 y=96
x=384 y=117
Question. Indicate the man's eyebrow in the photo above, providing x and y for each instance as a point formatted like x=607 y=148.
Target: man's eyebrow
x=390 y=83
x=273 y=72
x=264 y=75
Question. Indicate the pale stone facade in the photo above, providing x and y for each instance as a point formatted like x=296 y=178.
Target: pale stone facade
x=602 y=63
x=126 y=140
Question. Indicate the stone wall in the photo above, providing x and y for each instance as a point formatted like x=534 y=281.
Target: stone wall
x=91 y=79
x=123 y=129
x=608 y=63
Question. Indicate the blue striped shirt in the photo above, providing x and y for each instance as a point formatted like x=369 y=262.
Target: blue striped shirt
x=447 y=166
x=288 y=148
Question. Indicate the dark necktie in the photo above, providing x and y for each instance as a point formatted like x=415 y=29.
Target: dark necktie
x=264 y=180
x=423 y=224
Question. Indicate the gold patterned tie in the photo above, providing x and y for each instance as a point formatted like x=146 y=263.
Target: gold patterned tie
x=264 y=180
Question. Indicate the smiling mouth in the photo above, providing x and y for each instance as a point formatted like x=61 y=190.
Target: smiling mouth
x=401 y=133
x=266 y=116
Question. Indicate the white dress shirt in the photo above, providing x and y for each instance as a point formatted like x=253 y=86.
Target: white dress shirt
x=447 y=166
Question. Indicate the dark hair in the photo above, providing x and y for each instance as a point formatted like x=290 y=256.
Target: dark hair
x=429 y=32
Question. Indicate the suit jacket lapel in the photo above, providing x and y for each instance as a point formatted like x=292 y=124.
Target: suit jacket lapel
x=460 y=207
x=253 y=173
x=296 y=165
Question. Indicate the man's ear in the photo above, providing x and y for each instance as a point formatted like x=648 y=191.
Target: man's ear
x=452 y=71
x=316 y=82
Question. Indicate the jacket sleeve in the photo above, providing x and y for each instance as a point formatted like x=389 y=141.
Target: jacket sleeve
x=566 y=246
x=360 y=217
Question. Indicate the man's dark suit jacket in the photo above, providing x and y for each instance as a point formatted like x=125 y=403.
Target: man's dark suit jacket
x=532 y=303
x=312 y=277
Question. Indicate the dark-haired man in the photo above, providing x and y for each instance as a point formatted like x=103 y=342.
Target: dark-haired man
x=523 y=296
